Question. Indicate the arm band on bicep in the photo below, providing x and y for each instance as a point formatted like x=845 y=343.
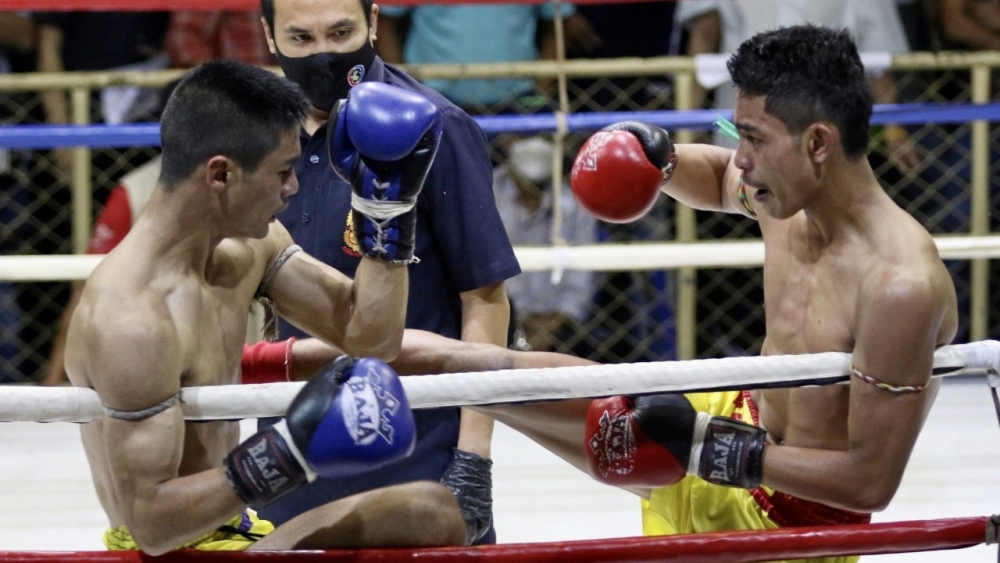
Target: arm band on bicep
x=142 y=414
x=272 y=270
x=888 y=386
x=742 y=193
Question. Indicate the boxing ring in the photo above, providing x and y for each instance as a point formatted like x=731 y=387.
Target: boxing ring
x=907 y=533
x=982 y=358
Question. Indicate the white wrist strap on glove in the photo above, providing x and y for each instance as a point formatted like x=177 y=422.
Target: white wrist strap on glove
x=698 y=442
x=282 y=429
x=380 y=210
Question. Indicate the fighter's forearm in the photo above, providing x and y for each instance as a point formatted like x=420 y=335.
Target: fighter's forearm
x=168 y=515
x=842 y=479
x=378 y=315
x=699 y=178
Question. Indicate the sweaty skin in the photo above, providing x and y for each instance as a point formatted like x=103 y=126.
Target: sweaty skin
x=845 y=270
x=168 y=309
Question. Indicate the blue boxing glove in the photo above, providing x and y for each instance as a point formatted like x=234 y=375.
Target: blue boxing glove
x=382 y=140
x=350 y=418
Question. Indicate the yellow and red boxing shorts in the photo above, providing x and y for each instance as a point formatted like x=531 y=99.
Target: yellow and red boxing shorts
x=239 y=533
x=694 y=505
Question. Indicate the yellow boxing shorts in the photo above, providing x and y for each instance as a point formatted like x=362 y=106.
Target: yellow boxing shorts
x=237 y=534
x=694 y=505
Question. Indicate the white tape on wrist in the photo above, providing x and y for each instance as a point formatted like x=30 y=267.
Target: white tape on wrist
x=380 y=210
x=698 y=442
x=282 y=429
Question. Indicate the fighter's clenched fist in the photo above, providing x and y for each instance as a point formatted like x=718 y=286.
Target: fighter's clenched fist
x=382 y=140
x=619 y=171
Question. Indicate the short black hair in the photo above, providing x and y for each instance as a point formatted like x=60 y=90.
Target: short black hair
x=226 y=108
x=267 y=10
x=807 y=74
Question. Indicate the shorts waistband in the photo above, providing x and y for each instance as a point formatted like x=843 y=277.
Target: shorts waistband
x=788 y=511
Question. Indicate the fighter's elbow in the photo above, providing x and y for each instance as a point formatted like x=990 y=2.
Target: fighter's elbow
x=870 y=497
x=383 y=345
x=389 y=349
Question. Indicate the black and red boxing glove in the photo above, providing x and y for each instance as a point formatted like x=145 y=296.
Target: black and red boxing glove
x=618 y=173
x=655 y=142
x=654 y=441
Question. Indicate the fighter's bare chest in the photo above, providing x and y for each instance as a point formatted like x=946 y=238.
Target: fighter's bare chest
x=212 y=327
x=809 y=307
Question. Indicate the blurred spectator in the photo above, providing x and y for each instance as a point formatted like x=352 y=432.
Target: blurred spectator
x=196 y=37
x=72 y=41
x=474 y=34
x=916 y=19
x=630 y=29
x=963 y=25
x=549 y=311
x=87 y=41
x=970 y=24
x=120 y=211
x=720 y=26
x=17 y=43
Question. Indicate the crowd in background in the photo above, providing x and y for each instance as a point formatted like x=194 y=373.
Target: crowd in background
x=627 y=313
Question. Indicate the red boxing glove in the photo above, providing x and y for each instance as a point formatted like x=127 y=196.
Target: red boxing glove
x=267 y=362
x=619 y=452
x=618 y=173
x=655 y=440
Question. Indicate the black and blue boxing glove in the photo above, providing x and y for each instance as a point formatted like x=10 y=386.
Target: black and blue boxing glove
x=350 y=418
x=382 y=140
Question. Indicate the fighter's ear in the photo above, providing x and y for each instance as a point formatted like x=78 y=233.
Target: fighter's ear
x=819 y=140
x=220 y=173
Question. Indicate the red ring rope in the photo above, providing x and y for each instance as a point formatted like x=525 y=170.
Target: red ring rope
x=714 y=547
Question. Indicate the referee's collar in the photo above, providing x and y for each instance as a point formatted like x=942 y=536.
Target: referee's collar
x=376 y=72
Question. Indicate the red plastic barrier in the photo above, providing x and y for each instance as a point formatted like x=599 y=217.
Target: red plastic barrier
x=716 y=547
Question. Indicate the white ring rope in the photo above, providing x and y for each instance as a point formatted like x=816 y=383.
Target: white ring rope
x=600 y=257
x=74 y=404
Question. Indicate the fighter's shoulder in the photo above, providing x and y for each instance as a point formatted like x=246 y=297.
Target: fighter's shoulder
x=909 y=252
x=127 y=333
x=245 y=255
x=920 y=285
x=115 y=311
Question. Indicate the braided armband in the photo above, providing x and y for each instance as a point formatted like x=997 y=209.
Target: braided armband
x=898 y=389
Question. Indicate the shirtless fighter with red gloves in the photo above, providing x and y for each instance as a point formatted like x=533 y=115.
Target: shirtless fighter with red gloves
x=845 y=270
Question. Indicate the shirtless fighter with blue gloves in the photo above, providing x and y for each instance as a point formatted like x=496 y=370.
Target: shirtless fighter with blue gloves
x=167 y=308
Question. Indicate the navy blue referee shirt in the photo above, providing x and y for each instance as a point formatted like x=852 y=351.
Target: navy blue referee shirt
x=461 y=244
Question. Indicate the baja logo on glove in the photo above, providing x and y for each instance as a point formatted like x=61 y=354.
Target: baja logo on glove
x=369 y=408
x=587 y=159
x=614 y=445
x=356 y=75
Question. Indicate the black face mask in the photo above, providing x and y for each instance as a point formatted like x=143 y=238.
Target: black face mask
x=328 y=77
